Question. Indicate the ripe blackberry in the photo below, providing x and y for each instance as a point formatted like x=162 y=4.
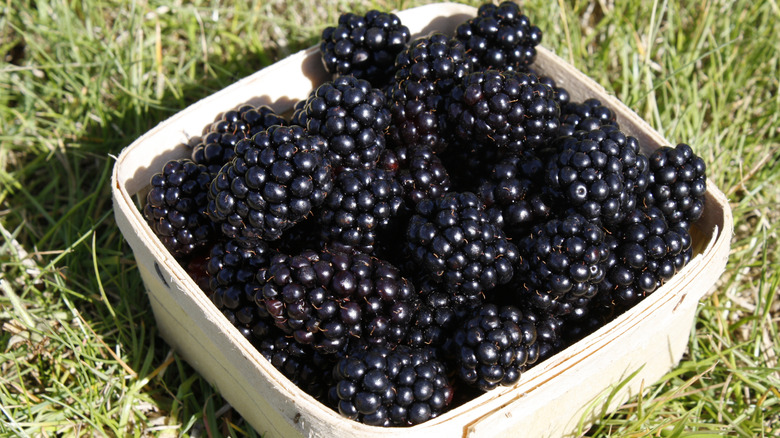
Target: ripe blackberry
x=494 y=346
x=325 y=298
x=560 y=94
x=438 y=315
x=598 y=173
x=421 y=174
x=425 y=72
x=649 y=252
x=455 y=242
x=273 y=182
x=585 y=116
x=513 y=193
x=500 y=37
x=351 y=116
x=502 y=109
x=560 y=262
x=231 y=267
x=391 y=387
x=360 y=205
x=216 y=147
x=175 y=206
x=677 y=183
x=364 y=46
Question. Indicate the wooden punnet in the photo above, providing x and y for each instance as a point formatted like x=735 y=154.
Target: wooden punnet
x=552 y=399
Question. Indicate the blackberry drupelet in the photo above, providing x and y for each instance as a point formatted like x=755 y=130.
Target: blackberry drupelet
x=677 y=183
x=649 y=252
x=176 y=206
x=494 y=346
x=598 y=173
x=560 y=94
x=364 y=46
x=456 y=243
x=325 y=298
x=500 y=37
x=560 y=261
x=274 y=181
x=216 y=147
x=585 y=116
x=502 y=109
x=352 y=118
x=391 y=387
x=425 y=72
x=360 y=205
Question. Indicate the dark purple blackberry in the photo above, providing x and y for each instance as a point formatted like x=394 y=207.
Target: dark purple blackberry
x=598 y=173
x=585 y=116
x=175 y=206
x=502 y=109
x=455 y=243
x=364 y=46
x=231 y=267
x=560 y=262
x=560 y=94
x=216 y=146
x=421 y=174
x=361 y=204
x=351 y=116
x=677 y=184
x=324 y=299
x=649 y=252
x=274 y=181
x=391 y=387
x=438 y=315
x=494 y=346
x=425 y=73
x=513 y=193
x=500 y=37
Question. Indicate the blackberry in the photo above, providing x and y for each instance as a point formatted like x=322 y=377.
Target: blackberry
x=364 y=46
x=494 y=346
x=502 y=109
x=598 y=173
x=273 y=182
x=560 y=261
x=391 y=387
x=216 y=147
x=425 y=72
x=455 y=242
x=649 y=252
x=360 y=205
x=351 y=116
x=513 y=193
x=585 y=116
x=677 y=184
x=421 y=174
x=175 y=206
x=438 y=315
x=500 y=37
x=325 y=298
x=560 y=94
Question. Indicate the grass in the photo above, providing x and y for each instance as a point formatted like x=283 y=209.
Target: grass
x=79 y=80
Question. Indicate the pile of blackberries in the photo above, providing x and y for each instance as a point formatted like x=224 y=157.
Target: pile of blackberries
x=428 y=224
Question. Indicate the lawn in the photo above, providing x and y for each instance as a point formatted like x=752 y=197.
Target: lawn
x=79 y=80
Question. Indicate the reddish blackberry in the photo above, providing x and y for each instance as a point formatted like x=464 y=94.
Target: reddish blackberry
x=360 y=205
x=513 y=193
x=351 y=116
x=677 y=183
x=585 y=116
x=598 y=173
x=503 y=109
x=216 y=147
x=649 y=253
x=175 y=206
x=455 y=242
x=425 y=73
x=421 y=174
x=273 y=182
x=391 y=387
x=494 y=346
x=364 y=46
x=560 y=261
x=325 y=298
x=500 y=37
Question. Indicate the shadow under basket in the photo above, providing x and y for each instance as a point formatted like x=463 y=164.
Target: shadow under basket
x=552 y=399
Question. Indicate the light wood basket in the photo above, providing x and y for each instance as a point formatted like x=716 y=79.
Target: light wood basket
x=552 y=399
